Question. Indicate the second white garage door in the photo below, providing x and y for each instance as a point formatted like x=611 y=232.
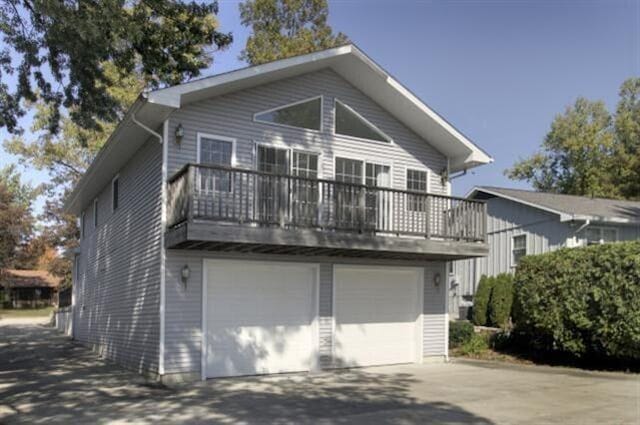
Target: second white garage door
x=378 y=315
x=259 y=318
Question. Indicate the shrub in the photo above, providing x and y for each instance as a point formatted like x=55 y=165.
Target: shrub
x=481 y=301
x=501 y=300
x=459 y=333
x=478 y=344
x=581 y=301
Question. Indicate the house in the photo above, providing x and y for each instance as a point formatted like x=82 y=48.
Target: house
x=523 y=222
x=284 y=217
x=28 y=288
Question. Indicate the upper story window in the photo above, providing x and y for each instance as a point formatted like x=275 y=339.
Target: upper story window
x=215 y=150
x=95 y=213
x=350 y=123
x=273 y=160
x=115 y=193
x=303 y=114
x=518 y=248
x=599 y=235
x=305 y=164
x=417 y=181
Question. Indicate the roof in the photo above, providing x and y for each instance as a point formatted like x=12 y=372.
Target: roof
x=153 y=108
x=30 y=279
x=569 y=207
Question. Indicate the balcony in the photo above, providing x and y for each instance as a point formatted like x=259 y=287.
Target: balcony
x=231 y=209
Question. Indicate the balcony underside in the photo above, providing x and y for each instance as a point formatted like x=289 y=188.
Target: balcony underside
x=215 y=236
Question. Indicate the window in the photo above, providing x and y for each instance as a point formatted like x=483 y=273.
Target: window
x=82 y=231
x=115 y=193
x=348 y=170
x=518 y=248
x=599 y=235
x=350 y=123
x=214 y=150
x=273 y=160
x=304 y=114
x=417 y=182
x=305 y=193
x=95 y=213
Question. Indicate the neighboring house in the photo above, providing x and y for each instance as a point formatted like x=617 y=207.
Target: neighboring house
x=28 y=288
x=283 y=217
x=522 y=222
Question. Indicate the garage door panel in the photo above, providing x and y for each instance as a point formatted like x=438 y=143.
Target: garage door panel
x=377 y=316
x=260 y=318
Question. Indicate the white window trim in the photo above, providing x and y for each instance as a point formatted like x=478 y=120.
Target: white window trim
x=95 y=213
x=366 y=121
x=600 y=230
x=231 y=140
x=321 y=97
x=116 y=177
x=406 y=181
x=366 y=161
x=526 y=247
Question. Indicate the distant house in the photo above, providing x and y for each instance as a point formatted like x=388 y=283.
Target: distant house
x=522 y=222
x=29 y=288
x=290 y=216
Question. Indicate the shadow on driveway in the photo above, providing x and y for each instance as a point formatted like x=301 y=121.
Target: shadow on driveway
x=46 y=378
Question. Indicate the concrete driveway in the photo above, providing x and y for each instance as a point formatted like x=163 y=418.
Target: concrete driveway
x=45 y=378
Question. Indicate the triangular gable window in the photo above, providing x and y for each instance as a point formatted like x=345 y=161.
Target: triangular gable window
x=304 y=114
x=351 y=123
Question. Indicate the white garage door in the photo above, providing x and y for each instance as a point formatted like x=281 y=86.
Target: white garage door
x=378 y=319
x=260 y=318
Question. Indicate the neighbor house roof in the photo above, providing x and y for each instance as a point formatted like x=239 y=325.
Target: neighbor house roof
x=569 y=207
x=152 y=109
x=29 y=279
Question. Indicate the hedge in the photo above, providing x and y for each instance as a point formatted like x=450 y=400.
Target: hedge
x=493 y=300
x=460 y=332
x=581 y=301
x=481 y=301
x=501 y=300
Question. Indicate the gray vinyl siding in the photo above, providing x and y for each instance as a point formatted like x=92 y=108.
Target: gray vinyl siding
x=183 y=332
x=435 y=312
x=117 y=292
x=231 y=115
x=544 y=232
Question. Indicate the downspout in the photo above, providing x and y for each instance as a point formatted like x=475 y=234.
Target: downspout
x=163 y=219
x=581 y=228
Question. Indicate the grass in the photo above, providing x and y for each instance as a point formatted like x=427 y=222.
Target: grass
x=25 y=312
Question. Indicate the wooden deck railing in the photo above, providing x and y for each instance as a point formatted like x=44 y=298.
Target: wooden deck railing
x=217 y=193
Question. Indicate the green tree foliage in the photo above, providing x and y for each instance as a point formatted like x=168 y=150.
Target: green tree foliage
x=481 y=301
x=501 y=301
x=627 y=131
x=57 y=50
x=576 y=154
x=582 y=301
x=285 y=28
x=16 y=222
x=589 y=151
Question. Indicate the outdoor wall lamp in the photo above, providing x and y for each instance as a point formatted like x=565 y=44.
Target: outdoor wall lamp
x=184 y=274
x=436 y=279
x=179 y=133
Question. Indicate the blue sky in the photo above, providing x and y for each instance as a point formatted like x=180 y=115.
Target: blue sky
x=498 y=70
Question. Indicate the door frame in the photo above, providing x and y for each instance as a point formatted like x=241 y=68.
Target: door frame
x=419 y=325
x=315 y=326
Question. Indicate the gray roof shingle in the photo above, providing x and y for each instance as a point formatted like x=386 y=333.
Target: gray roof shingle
x=596 y=208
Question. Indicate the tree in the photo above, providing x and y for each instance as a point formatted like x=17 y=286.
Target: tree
x=285 y=28
x=576 y=155
x=627 y=132
x=16 y=222
x=57 y=51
